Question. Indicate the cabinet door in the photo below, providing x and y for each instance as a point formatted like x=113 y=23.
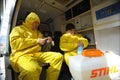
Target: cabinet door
x=86 y=21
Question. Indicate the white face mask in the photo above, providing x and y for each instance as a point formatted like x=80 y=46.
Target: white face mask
x=72 y=31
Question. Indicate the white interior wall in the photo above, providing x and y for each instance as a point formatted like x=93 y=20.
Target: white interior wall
x=108 y=39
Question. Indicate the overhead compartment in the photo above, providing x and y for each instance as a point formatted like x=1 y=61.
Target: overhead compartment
x=106 y=14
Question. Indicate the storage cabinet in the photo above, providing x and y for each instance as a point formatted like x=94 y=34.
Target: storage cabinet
x=99 y=21
x=81 y=7
x=82 y=19
x=68 y=14
x=107 y=25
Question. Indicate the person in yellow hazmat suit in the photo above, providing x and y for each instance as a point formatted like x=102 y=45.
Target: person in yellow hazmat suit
x=70 y=41
x=26 y=42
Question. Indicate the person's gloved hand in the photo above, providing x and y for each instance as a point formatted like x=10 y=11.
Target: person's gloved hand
x=80 y=49
x=42 y=41
x=80 y=44
x=49 y=39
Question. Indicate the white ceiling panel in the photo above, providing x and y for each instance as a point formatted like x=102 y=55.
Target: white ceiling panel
x=46 y=9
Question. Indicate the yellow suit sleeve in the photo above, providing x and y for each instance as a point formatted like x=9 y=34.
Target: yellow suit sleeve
x=84 y=41
x=18 y=42
x=69 y=43
x=66 y=44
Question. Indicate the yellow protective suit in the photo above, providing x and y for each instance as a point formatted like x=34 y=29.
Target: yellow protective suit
x=26 y=52
x=69 y=44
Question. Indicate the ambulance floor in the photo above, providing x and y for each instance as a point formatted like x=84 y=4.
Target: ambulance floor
x=65 y=73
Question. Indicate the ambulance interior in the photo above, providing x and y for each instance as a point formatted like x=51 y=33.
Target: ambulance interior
x=55 y=14
x=97 y=20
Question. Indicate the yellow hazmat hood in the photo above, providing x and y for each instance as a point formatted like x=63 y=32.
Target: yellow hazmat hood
x=32 y=17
